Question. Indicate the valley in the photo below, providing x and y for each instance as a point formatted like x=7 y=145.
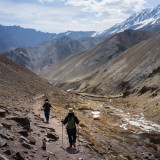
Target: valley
x=110 y=79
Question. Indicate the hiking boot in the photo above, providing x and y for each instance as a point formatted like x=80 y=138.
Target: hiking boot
x=74 y=145
x=70 y=146
x=47 y=121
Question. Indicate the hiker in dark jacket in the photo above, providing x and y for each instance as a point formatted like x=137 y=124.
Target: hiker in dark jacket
x=47 y=107
x=70 y=120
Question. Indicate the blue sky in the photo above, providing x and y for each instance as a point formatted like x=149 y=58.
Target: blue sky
x=57 y=16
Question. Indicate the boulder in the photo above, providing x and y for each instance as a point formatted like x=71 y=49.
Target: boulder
x=20 y=156
x=2 y=113
x=2 y=157
x=1 y=126
x=43 y=144
x=52 y=136
x=32 y=140
x=45 y=127
x=9 y=152
x=23 y=132
x=24 y=139
x=26 y=145
x=3 y=143
x=6 y=134
x=7 y=125
x=22 y=121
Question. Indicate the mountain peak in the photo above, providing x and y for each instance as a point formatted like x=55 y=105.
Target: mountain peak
x=138 y=20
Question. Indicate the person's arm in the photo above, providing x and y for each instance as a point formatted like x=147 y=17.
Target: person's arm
x=65 y=120
x=76 y=120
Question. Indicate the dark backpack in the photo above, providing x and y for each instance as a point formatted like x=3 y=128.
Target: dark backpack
x=71 y=123
x=47 y=107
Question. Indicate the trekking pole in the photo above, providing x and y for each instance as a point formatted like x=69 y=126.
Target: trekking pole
x=62 y=135
x=78 y=135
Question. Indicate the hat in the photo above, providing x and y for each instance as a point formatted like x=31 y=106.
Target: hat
x=47 y=100
x=70 y=110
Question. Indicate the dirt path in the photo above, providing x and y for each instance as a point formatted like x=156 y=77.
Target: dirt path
x=60 y=148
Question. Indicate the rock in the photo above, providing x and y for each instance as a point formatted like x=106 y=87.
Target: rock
x=46 y=139
x=45 y=127
x=22 y=121
x=24 y=139
x=24 y=132
x=43 y=144
x=9 y=152
x=20 y=156
x=2 y=113
x=3 y=143
x=52 y=137
x=32 y=140
x=6 y=134
x=2 y=157
x=29 y=140
x=1 y=126
x=26 y=145
x=6 y=125
x=80 y=158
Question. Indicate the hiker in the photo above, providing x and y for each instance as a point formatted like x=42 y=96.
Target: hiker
x=70 y=120
x=47 y=107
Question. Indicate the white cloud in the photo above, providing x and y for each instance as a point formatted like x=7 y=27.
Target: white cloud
x=100 y=8
x=42 y=1
x=66 y=15
x=40 y=17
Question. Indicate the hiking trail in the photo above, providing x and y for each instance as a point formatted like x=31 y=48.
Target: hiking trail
x=58 y=150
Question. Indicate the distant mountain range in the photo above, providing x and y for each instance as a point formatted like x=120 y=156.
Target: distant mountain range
x=140 y=20
x=16 y=36
x=47 y=53
x=77 y=71
x=47 y=48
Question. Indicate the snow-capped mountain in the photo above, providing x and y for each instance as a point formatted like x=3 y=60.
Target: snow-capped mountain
x=76 y=34
x=138 y=20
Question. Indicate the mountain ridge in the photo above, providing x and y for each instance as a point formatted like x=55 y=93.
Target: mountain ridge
x=49 y=52
x=16 y=36
x=138 y=20
x=77 y=67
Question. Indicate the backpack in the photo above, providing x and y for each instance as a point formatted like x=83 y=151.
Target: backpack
x=47 y=107
x=70 y=123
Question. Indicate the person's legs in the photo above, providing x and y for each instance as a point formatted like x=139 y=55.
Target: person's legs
x=47 y=116
x=74 y=137
x=70 y=137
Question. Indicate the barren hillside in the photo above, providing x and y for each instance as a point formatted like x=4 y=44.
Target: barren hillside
x=109 y=127
x=110 y=77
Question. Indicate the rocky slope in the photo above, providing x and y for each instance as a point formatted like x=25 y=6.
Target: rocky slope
x=146 y=96
x=91 y=71
x=104 y=130
x=22 y=126
x=47 y=53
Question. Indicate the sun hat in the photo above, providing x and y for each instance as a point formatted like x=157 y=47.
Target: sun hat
x=70 y=110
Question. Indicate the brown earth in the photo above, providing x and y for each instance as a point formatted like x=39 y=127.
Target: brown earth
x=85 y=72
x=120 y=131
